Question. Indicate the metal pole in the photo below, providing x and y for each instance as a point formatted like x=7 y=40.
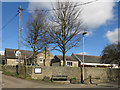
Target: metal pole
x=83 y=58
x=25 y=65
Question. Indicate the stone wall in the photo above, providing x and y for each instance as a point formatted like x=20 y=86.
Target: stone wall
x=10 y=68
x=13 y=69
x=97 y=74
x=102 y=74
x=54 y=70
x=114 y=74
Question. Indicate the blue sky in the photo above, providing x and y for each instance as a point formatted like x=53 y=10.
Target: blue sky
x=101 y=34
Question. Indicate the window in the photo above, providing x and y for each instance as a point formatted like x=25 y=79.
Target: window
x=69 y=63
x=41 y=61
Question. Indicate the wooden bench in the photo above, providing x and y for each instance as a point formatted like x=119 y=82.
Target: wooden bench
x=59 y=77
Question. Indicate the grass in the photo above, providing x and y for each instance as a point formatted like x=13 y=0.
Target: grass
x=23 y=76
x=9 y=73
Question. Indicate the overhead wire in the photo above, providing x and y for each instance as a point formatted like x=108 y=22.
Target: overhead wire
x=10 y=21
x=63 y=8
x=45 y=11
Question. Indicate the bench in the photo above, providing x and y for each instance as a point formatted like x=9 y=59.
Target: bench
x=59 y=77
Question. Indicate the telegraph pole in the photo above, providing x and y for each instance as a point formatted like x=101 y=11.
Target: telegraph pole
x=19 y=36
x=19 y=24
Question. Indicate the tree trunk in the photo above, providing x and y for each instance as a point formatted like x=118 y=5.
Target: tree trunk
x=34 y=51
x=64 y=59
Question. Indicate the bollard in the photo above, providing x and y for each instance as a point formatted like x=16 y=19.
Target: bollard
x=90 y=79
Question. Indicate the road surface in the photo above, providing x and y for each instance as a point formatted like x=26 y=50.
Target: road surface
x=13 y=82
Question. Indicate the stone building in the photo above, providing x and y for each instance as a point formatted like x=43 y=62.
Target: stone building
x=12 y=59
x=44 y=57
x=70 y=61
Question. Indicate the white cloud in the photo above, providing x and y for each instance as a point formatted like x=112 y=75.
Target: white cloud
x=112 y=35
x=93 y=15
x=1 y=52
x=97 y=13
x=38 y=5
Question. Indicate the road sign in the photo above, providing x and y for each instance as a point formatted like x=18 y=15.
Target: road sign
x=17 y=53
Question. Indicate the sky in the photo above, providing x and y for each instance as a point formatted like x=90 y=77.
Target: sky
x=100 y=17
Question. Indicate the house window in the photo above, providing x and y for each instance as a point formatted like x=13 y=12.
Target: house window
x=69 y=63
x=41 y=61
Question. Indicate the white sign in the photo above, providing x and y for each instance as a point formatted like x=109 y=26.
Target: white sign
x=38 y=70
x=17 y=53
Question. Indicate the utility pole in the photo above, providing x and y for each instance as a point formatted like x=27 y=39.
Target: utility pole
x=19 y=36
x=19 y=25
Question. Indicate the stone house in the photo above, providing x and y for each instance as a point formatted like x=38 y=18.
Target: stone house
x=70 y=61
x=12 y=59
x=44 y=57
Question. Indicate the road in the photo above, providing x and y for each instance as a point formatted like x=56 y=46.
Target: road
x=13 y=82
x=0 y=80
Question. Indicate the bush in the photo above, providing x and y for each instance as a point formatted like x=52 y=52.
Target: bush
x=74 y=78
x=74 y=81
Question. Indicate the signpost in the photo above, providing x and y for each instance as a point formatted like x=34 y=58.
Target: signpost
x=18 y=54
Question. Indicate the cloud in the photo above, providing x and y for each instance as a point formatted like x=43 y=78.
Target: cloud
x=1 y=52
x=93 y=15
x=38 y=5
x=112 y=36
x=97 y=13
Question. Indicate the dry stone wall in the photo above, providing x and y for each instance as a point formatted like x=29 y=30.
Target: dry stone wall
x=97 y=74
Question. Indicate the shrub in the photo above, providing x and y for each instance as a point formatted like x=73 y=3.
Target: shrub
x=74 y=78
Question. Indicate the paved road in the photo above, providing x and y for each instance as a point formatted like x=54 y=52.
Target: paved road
x=0 y=80
x=12 y=82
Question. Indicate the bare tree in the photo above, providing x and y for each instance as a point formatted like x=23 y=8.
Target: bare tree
x=65 y=27
x=35 y=36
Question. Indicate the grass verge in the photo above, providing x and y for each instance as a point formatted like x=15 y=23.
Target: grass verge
x=23 y=76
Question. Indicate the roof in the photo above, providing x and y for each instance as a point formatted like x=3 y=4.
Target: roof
x=10 y=53
x=88 y=58
x=68 y=58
